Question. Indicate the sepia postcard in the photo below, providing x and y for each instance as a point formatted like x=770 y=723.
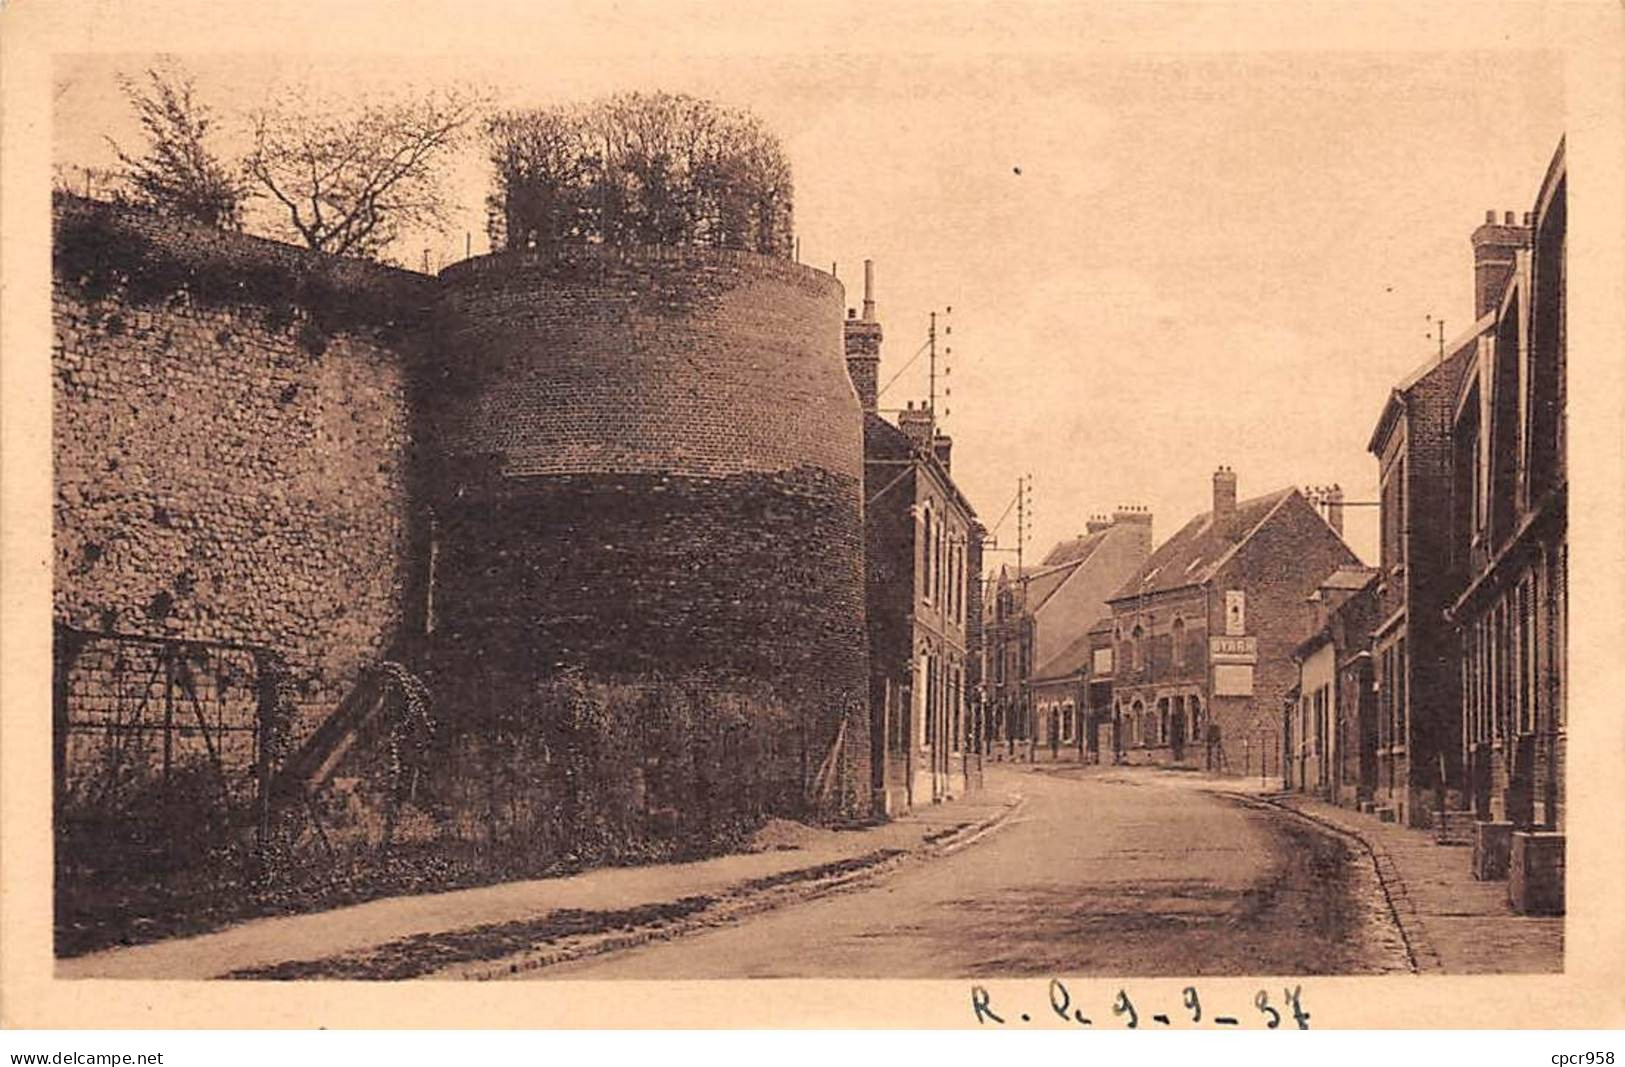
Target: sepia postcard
x=999 y=516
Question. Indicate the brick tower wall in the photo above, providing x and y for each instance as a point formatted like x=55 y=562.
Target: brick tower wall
x=649 y=461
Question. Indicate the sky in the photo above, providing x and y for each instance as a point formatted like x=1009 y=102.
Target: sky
x=1157 y=261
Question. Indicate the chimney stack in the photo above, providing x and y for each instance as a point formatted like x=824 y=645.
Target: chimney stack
x=942 y=446
x=1334 y=508
x=917 y=425
x=1495 y=253
x=1136 y=523
x=1097 y=523
x=863 y=337
x=1224 y=503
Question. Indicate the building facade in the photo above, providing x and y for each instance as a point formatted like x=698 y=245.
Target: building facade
x=1060 y=696
x=922 y=548
x=1205 y=632
x=1509 y=541
x=1331 y=735
x=1419 y=714
x=1040 y=620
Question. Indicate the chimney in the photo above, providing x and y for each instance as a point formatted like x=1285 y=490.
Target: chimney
x=1334 y=508
x=942 y=446
x=917 y=425
x=1495 y=252
x=1224 y=503
x=1137 y=521
x=863 y=338
x=1098 y=523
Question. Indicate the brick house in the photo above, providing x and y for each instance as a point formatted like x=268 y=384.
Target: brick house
x=1419 y=714
x=1206 y=629
x=1072 y=694
x=1097 y=714
x=1059 y=696
x=1331 y=738
x=1041 y=612
x=1008 y=633
x=1509 y=542
x=922 y=549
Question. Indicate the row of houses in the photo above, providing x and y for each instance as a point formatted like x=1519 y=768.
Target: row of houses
x=1181 y=655
x=1427 y=689
x=1431 y=689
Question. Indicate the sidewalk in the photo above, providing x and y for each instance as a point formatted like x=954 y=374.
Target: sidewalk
x=477 y=923
x=1454 y=923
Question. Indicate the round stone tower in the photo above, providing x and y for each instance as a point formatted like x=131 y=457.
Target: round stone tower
x=649 y=462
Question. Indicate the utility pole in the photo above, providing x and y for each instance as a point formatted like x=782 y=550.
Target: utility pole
x=1024 y=488
x=931 y=346
x=931 y=342
x=1021 y=535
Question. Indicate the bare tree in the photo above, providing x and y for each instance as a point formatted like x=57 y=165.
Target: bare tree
x=639 y=168
x=346 y=183
x=177 y=174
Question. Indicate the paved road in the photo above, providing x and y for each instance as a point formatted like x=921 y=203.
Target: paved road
x=1104 y=871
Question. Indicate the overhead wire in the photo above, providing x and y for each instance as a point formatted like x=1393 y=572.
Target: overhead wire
x=893 y=380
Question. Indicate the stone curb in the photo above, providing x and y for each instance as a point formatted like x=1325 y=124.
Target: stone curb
x=1419 y=951
x=731 y=908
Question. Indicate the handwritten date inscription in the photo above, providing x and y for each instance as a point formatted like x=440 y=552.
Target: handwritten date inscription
x=1124 y=1011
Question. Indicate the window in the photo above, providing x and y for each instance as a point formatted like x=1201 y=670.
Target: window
x=941 y=586
x=1390 y=695
x=1390 y=503
x=1320 y=720
x=1481 y=684
x=1401 y=695
x=1473 y=689
x=1498 y=650
x=1557 y=627
x=1135 y=647
x=932 y=697
x=1479 y=720
x=959 y=583
x=1526 y=655
x=928 y=577
x=1179 y=642
x=1399 y=495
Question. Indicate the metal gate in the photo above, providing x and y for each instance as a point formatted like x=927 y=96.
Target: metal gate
x=162 y=750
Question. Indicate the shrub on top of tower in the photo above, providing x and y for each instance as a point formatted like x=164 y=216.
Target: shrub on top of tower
x=639 y=169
